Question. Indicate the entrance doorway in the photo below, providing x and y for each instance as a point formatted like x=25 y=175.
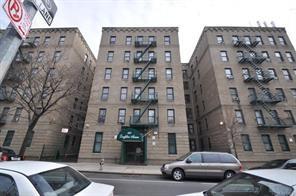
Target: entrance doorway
x=134 y=152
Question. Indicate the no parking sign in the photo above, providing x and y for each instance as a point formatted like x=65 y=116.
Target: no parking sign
x=18 y=17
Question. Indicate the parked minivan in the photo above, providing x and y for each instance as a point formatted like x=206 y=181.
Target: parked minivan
x=202 y=164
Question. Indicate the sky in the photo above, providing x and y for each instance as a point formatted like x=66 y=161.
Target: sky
x=191 y=16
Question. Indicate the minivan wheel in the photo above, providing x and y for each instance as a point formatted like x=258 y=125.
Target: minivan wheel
x=178 y=174
x=228 y=174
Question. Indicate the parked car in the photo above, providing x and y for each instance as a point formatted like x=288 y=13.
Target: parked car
x=36 y=178
x=202 y=164
x=278 y=163
x=7 y=154
x=267 y=182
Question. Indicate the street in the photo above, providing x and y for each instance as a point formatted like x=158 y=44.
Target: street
x=149 y=185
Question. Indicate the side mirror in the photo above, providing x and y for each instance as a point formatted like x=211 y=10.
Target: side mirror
x=188 y=160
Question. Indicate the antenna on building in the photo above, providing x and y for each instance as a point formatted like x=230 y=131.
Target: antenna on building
x=265 y=24
x=272 y=24
x=258 y=23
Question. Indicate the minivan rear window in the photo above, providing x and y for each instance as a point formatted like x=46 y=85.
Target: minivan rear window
x=227 y=158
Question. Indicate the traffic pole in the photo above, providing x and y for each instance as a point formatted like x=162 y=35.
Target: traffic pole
x=11 y=41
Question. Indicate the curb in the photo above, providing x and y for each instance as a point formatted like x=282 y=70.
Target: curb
x=124 y=173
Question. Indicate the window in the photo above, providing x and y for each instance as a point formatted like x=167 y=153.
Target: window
x=187 y=99
x=293 y=92
x=110 y=56
x=286 y=74
x=219 y=39
x=4 y=114
x=172 y=144
x=171 y=116
x=193 y=147
x=112 y=39
x=290 y=57
x=102 y=115
x=151 y=73
x=282 y=40
x=247 y=40
x=151 y=39
x=280 y=94
x=127 y=56
x=167 y=40
x=128 y=40
x=140 y=39
x=167 y=55
x=36 y=41
x=40 y=56
x=267 y=142
x=123 y=93
x=271 y=40
x=17 y=114
x=46 y=40
x=246 y=142
x=278 y=55
x=228 y=73
x=185 y=74
x=8 y=186
x=259 y=117
x=272 y=73
x=151 y=116
x=57 y=56
x=170 y=93
x=108 y=72
x=62 y=40
x=223 y=55
x=239 y=55
x=246 y=73
x=186 y=85
x=8 y=138
x=136 y=114
x=190 y=128
x=189 y=113
x=137 y=91
x=85 y=58
x=98 y=142
x=239 y=116
x=266 y=56
x=235 y=39
x=290 y=116
x=168 y=74
x=283 y=142
x=105 y=94
x=211 y=158
x=259 y=40
x=151 y=55
x=233 y=94
x=138 y=73
x=125 y=73
x=121 y=116
x=151 y=93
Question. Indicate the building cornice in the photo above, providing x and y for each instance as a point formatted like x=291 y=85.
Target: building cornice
x=140 y=29
x=244 y=29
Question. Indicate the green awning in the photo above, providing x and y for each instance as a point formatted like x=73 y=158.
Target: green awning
x=130 y=135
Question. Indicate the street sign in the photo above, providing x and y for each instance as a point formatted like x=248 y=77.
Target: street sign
x=18 y=17
x=47 y=8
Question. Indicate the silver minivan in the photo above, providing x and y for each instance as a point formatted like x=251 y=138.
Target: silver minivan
x=202 y=164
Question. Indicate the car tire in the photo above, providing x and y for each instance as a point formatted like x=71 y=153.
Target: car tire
x=178 y=174
x=228 y=174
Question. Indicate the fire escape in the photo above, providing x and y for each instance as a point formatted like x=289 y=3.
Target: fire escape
x=261 y=78
x=144 y=96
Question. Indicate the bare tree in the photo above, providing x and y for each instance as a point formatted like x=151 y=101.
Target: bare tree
x=39 y=87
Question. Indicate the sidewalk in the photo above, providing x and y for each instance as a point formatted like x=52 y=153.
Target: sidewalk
x=116 y=168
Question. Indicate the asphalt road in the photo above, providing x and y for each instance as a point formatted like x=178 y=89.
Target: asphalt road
x=149 y=185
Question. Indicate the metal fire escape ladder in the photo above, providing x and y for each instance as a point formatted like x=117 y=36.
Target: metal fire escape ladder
x=146 y=49
x=142 y=71
x=145 y=109
x=260 y=85
x=142 y=91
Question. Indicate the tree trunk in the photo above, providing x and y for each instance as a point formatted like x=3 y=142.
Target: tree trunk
x=31 y=126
